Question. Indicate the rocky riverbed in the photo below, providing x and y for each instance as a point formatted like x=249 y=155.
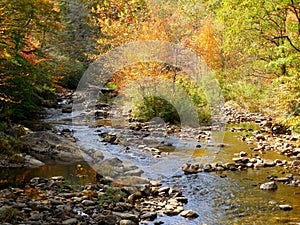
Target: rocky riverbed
x=52 y=201
x=138 y=199
x=268 y=137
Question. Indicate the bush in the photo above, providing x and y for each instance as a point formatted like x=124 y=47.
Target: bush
x=248 y=95
x=10 y=148
x=152 y=107
x=160 y=99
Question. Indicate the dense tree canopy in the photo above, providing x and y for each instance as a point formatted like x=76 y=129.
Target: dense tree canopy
x=252 y=45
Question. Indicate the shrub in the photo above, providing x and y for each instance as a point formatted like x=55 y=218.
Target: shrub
x=152 y=107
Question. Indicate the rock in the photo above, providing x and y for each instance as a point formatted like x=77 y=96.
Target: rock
x=133 y=197
x=149 y=216
x=249 y=164
x=178 y=209
x=123 y=206
x=207 y=168
x=282 y=179
x=38 y=182
x=260 y=137
x=107 y=219
x=126 y=216
x=279 y=129
x=269 y=163
x=66 y=108
x=49 y=147
x=269 y=186
x=285 y=207
x=240 y=160
x=219 y=168
x=190 y=168
x=109 y=137
x=127 y=222
x=70 y=221
x=189 y=214
x=258 y=165
x=155 y=183
x=35 y=216
x=98 y=155
x=272 y=176
x=295 y=163
x=164 y=189
x=243 y=154
x=170 y=211
x=131 y=180
x=88 y=203
x=182 y=199
x=59 y=179
x=230 y=166
x=33 y=162
x=136 y=172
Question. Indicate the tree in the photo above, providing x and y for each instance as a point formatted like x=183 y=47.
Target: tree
x=263 y=39
x=23 y=26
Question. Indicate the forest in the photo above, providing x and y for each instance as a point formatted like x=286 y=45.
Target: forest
x=252 y=46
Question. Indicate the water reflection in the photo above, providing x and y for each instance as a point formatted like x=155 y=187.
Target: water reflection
x=77 y=173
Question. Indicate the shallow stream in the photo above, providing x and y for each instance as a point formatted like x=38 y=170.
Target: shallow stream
x=218 y=198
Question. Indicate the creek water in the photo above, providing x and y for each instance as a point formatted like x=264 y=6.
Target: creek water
x=218 y=198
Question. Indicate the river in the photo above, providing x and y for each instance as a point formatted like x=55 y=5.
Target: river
x=218 y=198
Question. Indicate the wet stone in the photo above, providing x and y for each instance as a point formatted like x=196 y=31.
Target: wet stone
x=268 y=186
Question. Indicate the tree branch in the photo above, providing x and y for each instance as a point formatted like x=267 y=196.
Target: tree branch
x=289 y=40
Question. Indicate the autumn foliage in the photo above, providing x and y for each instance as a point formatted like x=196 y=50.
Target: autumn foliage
x=252 y=46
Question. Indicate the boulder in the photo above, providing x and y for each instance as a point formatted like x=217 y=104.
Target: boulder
x=49 y=147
